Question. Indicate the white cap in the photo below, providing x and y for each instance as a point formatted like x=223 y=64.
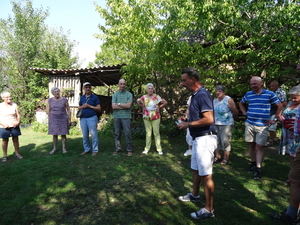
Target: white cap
x=86 y=83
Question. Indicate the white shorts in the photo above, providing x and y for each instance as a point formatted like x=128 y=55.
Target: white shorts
x=188 y=137
x=203 y=154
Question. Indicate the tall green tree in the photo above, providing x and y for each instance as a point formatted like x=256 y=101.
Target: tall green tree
x=228 y=41
x=27 y=42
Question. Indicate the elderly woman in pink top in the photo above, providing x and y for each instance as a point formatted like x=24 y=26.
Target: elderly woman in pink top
x=9 y=124
x=151 y=104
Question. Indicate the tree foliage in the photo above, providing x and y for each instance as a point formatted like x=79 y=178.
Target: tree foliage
x=228 y=41
x=27 y=42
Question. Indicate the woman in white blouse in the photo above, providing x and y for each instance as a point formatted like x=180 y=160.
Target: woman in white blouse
x=9 y=125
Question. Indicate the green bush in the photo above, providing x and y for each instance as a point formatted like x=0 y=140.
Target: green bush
x=238 y=132
x=39 y=127
x=42 y=127
x=74 y=130
x=106 y=125
x=168 y=128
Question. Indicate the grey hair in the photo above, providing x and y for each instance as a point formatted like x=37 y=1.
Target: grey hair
x=295 y=90
x=4 y=93
x=53 y=89
x=220 y=88
x=149 y=84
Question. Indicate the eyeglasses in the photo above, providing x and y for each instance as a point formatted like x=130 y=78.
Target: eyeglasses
x=86 y=87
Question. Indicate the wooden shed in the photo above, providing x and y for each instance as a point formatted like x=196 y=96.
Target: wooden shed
x=70 y=82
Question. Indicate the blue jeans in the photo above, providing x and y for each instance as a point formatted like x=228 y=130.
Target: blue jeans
x=125 y=124
x=89 y=125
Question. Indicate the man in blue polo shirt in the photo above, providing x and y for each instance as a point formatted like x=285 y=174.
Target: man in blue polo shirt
x=90 y=105
x=200 y=124
x=259 y=102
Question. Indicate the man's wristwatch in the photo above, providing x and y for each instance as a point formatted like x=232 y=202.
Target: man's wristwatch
x=119 y=103
x=92 y=107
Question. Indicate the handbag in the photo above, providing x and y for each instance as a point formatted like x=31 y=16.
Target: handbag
x=289 y=123
x=79 y=112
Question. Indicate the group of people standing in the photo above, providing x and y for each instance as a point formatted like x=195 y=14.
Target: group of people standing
x=209 y=123
x=59 y=119
x=89 y=104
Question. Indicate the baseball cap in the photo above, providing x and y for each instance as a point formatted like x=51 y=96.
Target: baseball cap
x=86 y=83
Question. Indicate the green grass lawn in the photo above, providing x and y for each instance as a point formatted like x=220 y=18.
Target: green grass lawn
x=141 y=189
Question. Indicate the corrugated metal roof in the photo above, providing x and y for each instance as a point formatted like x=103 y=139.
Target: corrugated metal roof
x=95 y=75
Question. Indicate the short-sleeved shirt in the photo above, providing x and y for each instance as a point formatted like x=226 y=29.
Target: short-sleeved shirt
x=122 y=97
x=222 y=112
x=259 y=106
x=281 y=95
x=201 y=102
x=149 y=112
x=93 y=101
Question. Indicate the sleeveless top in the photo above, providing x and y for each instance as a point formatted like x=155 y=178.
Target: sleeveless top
x=223 y=114
x=58 y=117
x=8 y=114
x=289 y=113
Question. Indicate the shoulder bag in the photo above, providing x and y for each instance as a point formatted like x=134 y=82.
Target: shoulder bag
x=79 y=112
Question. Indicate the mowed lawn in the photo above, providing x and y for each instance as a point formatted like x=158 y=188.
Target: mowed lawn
x=141 y=189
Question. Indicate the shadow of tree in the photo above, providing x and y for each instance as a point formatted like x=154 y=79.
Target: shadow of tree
x=142 y=189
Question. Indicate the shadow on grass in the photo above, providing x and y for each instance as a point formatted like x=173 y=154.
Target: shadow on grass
x=241 y=199
x=142 y=189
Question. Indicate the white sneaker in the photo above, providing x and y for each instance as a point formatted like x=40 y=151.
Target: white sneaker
x=188 y=152
x=160 y=153
x=202 y=214
x=145 y=152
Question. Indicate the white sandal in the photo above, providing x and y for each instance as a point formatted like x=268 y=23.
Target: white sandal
x=64 y=151
x=54 y=150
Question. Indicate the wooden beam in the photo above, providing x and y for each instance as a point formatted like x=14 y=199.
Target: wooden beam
x=105 y=84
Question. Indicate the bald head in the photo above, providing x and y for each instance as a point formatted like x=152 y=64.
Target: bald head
x=122 y=85
x=122 y=81
x=256 y=84
x=256 y=78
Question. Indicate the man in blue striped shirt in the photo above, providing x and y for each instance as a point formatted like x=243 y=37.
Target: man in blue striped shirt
x=259 y=102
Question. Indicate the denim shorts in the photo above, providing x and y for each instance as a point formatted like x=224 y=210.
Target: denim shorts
x=10 y=132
